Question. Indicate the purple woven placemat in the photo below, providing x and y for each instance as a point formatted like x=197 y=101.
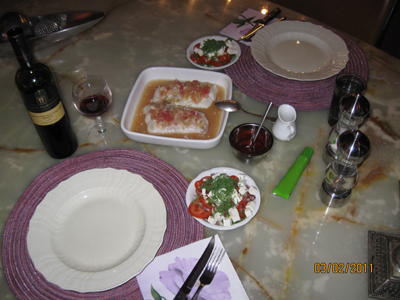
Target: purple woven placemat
x=257 y=82
x=182 y=229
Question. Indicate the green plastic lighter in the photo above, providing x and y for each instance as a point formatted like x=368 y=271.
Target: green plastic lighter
x=289 y=181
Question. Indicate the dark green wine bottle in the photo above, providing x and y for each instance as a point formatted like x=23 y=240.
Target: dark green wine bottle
x=42 y=99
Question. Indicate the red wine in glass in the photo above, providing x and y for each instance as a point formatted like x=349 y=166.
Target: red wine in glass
x=94 y=105
x=93 y=97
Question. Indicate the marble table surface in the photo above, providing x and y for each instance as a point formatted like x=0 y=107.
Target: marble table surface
x=278 y=253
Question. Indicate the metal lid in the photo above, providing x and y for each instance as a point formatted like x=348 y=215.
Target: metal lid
x=354 y=107
x=353 y=146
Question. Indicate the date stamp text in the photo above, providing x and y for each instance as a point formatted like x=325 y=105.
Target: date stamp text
x=342 y=268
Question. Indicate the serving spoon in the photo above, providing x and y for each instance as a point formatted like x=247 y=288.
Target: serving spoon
x=232 y=106
x=259 y=127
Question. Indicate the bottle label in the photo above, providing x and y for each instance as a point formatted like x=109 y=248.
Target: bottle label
x=49 y=117
x=46 y=111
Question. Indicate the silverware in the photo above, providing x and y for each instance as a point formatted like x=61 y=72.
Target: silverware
x=261 y=24
x=260 y=126
x=198 y=268
x=280 y=19
x=232 y=106
x=210 y=270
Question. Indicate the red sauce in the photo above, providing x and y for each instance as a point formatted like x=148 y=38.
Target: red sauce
x=245 y=138
x=243 y=146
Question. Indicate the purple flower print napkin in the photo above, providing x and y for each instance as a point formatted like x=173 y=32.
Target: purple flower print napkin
x=243 y=24
x=164 y=276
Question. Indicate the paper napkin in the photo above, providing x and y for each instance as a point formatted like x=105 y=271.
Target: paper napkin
x=164 y=276
x=235 y=31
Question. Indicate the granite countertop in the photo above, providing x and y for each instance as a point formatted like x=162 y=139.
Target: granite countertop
x=279 y=254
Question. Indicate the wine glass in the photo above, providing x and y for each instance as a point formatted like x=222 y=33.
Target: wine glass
x=93 y=97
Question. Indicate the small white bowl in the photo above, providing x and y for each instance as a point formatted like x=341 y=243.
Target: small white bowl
x=182 y=74
x=190 y=51
x=191 y=192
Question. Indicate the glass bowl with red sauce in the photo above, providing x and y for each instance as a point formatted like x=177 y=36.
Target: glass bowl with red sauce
x=242 y=136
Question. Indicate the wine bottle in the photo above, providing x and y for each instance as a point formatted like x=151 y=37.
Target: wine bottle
x=42 y=99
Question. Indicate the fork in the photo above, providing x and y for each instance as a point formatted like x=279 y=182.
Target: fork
x=210 y=269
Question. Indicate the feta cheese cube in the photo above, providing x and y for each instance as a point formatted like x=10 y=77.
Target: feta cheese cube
x=236 y=197
x=251 y=205
x=227 y=222
x=198 y=51
x=241 y=177
x=231 y=48
x=253 y=190
x=221 y=51
x=233 y=212
x=212 y=220
x=231 y=51
x=242 y=182
x=242 y=190
x=218 y=216
x=248 y=212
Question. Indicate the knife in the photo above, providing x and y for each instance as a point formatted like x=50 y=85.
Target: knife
x=198 y=268
x=261 y=24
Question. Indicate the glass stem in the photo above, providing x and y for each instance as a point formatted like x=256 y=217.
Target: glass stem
x=101 y=126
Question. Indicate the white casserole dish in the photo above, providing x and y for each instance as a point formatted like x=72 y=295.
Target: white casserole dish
x=182 y=74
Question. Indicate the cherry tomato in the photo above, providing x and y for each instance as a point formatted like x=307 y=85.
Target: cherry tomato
x=198 y=211
x=205 y=204
x=241 y=207
x=214 y=63
x=196 y=58
x=235 y=182
x=225 y=59
x=198 y=184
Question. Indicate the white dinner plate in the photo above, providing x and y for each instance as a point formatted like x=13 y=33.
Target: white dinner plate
x=96 y=230
x=191 y=194
x=190 y=51
x=299 y=50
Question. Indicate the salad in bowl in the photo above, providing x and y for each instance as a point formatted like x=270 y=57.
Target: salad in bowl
x=223 y=198
x=213 y=52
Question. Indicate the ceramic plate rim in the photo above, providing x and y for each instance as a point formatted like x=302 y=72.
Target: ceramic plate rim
x=267 y=36
x=86 y=281
x=230 y=171
x=189 y=51
x=172 y=73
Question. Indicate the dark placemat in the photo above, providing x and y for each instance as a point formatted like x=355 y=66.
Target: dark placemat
x=257 y=82
x=27 y=283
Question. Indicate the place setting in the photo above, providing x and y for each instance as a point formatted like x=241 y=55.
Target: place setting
x=273 y=59
x=61 y=240
x=291 y=62
x=108 y=224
